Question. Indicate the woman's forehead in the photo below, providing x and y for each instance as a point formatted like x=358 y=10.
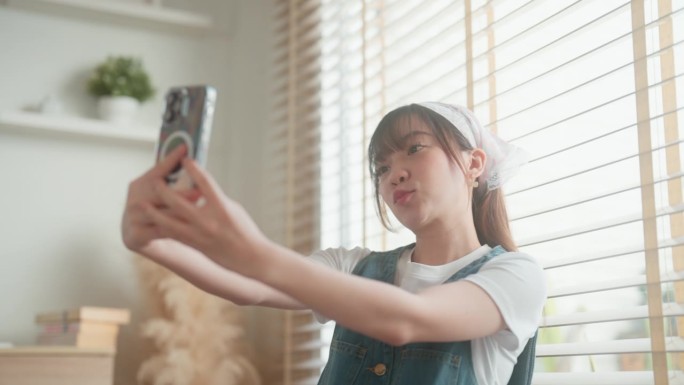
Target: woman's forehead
x=405 y=127
x=410 y=123
x=395 y=136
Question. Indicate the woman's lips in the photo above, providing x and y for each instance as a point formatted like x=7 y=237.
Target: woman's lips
x=402 y=196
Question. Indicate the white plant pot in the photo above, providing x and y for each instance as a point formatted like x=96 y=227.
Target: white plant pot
x=117 y=109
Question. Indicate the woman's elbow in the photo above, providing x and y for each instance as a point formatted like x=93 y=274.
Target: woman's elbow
x=398 y=335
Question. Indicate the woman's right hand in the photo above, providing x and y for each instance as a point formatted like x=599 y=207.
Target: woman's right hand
x=137 y=230
x=141 y=236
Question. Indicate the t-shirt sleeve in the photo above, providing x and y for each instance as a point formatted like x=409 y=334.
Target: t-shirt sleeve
x=340 y=259
x=517 y=284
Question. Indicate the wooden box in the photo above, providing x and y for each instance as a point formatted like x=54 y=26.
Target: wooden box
x=56 y=365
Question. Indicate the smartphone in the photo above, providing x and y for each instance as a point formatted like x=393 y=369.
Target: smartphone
x=187 y=119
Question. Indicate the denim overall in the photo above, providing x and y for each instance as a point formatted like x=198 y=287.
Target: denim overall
x=359 y=360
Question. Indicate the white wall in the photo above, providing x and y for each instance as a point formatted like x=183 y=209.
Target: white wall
x=61 y=197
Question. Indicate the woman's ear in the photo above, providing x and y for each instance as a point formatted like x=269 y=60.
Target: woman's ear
x=478 y=160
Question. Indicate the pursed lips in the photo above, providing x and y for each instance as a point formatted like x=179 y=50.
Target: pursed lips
x=401 y=195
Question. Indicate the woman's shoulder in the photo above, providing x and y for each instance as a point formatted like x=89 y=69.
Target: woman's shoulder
x=345 y=259
x=516 y=282
x=343 y=251
x=513 y=270
x=513 y=257
x=341 y=258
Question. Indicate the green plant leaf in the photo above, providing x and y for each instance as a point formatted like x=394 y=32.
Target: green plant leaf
x=121 y=76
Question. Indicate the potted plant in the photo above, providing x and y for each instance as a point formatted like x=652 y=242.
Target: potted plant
x=120 y=83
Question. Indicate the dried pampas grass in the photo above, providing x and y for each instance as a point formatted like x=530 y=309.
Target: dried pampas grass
x=199 y=338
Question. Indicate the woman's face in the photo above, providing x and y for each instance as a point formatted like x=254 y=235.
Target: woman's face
x=420 y=183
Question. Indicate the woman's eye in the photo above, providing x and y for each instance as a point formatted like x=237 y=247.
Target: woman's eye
x=414 y=148
x=381 y=170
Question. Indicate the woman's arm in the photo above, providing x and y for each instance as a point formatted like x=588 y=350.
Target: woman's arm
x=207 y=275
x=456 y=311
x=222 y=230
x=140 y=234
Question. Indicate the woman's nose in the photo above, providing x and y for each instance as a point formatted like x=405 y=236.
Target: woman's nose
x=399 y=175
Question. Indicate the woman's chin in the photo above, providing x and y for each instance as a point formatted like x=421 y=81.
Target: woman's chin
x=412 y=223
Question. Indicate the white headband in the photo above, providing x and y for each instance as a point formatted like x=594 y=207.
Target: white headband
x=503 y=159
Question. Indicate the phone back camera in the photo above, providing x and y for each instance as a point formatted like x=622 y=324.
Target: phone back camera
x=182 y=103
x=170 y=112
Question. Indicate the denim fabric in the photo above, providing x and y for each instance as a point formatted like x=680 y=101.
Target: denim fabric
x=359 y=360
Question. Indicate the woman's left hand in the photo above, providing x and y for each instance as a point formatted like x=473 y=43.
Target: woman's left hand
x=217 y=226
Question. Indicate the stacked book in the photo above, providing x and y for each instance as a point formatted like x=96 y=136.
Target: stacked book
x=85 y=327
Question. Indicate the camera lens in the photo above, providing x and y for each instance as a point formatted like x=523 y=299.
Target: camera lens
x=168 y=115
x=170 y=97
x=170 y=112
x=178 y=106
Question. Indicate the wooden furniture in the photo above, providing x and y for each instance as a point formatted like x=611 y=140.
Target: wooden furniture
x=56 y=365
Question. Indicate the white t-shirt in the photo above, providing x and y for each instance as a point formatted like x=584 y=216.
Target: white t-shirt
x=514 y=280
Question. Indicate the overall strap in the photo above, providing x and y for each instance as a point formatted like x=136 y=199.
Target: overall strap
x=381 y=265
x=474 y=266
x=524 y=368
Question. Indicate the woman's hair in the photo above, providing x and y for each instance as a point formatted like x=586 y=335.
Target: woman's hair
x=489 y=208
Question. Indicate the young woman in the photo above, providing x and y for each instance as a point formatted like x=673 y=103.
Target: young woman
x=455 y=307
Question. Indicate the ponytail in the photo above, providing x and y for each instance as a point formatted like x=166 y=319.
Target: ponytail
x=491 y=218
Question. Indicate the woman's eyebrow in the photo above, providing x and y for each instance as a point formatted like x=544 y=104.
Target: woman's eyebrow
x=402 y=142
x=412 y=134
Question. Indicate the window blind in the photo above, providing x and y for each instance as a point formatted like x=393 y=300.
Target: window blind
x=291 y=183
x=590 y=89
x=582 y=88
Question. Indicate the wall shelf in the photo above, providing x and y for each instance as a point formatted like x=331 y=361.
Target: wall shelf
x=123 y=11
x=72 y=125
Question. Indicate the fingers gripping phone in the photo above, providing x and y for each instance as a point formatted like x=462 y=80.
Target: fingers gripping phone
x=187 y=119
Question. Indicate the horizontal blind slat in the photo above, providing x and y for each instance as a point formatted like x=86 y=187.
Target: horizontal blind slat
x=492 y=4
x=313 y=345
x=306 y=381
x=603 y=378
x=599 y=166
x=604 y=254
x=612 y=284
x=600 y=225
x=493 y=49
x=307 y=328
x=593 y=139
x=637 y=345
x=312 y=364
x=595 y=197
x=590 y=317
x=574 y=59
x=586 y=111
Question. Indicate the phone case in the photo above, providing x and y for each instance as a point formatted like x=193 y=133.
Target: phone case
x=187 y=118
